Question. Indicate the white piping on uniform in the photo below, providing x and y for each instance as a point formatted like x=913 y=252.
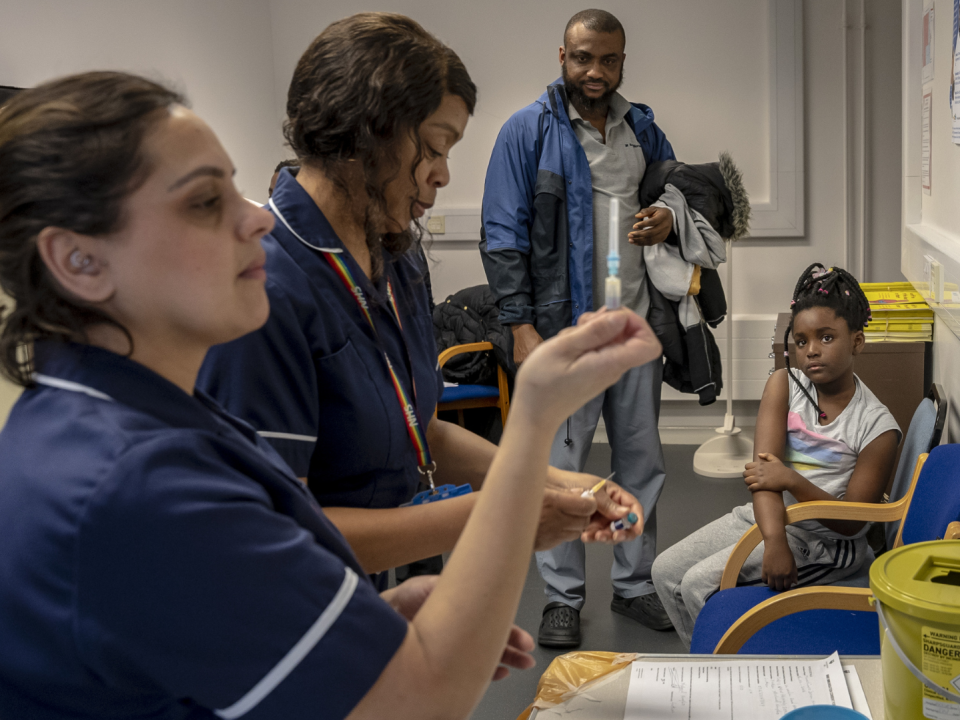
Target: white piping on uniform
x=285 y=436
x=71 y=386
x=297 y=653
x=279 y=214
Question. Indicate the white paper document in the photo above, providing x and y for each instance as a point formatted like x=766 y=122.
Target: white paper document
x=857 y=695
x=927 y=44
x=733 y=689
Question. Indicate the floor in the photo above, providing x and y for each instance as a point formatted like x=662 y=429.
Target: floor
x=688 y=502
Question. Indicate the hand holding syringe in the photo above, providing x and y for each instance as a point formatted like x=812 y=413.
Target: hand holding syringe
x=612 y=288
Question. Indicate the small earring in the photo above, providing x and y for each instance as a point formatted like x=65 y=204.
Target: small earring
x=80 y=261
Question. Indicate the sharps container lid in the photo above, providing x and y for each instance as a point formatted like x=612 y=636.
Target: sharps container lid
x=921 y=580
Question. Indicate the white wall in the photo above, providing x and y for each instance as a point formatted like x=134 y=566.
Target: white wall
x=217 y=51
x=511 y=48
x=932 y=222
x=701 y=64
x=940 y=208
x=709 y=96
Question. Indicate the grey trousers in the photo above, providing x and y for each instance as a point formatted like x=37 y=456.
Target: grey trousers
x=631 y=409
x=687 y=574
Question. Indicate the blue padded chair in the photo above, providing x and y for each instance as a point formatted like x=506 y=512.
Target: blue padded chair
x=463 y=397
x=821 y=619
x=926 y=428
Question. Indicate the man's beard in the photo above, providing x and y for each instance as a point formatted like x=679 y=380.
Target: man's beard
x=584 y=103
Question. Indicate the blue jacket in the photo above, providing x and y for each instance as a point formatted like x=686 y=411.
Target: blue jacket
x=537 y=235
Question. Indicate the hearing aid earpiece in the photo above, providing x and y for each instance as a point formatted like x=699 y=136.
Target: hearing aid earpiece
x=79 y=260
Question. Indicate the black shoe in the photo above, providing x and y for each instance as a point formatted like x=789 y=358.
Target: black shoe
x=560 y=627
x=646 y=610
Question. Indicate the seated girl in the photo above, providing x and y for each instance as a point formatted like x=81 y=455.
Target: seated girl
x=159 y=558
x=821 y=435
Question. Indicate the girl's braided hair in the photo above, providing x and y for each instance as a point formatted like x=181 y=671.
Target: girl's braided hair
x=832 y=288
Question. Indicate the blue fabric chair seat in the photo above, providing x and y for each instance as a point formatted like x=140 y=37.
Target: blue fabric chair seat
x=813 y=632
x=468 y=392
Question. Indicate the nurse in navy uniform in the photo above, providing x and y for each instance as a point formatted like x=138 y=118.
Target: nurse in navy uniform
x=160 y=560
x=343 y=379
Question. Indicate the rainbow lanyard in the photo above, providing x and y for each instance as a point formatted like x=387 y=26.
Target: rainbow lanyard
x=409 y=409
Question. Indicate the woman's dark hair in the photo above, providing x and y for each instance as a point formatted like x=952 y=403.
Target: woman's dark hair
x=70 y=155
x=832 y=288
x=364 y=85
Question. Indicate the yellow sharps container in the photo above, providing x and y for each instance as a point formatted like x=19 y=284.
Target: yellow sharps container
x=917 y=589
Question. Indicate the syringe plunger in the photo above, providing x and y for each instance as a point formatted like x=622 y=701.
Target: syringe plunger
x=612 y=286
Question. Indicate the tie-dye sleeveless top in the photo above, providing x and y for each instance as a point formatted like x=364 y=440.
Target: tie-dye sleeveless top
x=827 y=454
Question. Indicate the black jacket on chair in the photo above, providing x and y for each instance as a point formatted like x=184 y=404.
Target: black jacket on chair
x=470 y=316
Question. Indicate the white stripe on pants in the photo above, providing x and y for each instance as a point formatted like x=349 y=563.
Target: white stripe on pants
x=687 y=574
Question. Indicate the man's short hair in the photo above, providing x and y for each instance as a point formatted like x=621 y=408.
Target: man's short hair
x=596 y=20
x=286 y=163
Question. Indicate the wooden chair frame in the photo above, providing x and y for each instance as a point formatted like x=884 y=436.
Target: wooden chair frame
x=823 y=597
x=503 y=402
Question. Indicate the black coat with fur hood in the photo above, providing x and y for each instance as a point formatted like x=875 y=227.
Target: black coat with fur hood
x=715 y=190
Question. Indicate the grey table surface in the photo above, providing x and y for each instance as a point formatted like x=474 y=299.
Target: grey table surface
x=608 y=698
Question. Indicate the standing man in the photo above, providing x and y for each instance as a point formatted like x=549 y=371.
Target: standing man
x=555 y=167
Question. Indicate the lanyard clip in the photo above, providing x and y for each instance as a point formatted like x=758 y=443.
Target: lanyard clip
x=427 y=472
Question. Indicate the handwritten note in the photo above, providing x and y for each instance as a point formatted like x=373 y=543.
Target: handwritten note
x=745 y=690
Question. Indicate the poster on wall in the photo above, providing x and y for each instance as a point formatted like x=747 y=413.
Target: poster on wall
x=927 y=44
x=955 y=75
x=925 y=140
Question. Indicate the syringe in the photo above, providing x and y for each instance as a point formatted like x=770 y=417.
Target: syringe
x=612 y=288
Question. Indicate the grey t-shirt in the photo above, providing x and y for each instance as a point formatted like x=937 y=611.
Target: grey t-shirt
x=616 y=168
x=827 y=454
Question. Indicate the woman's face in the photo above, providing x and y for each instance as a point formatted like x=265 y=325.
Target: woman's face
x=442 y=130
x=187 y=265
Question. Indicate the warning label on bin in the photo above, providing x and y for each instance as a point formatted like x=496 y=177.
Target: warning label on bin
x=941 y=663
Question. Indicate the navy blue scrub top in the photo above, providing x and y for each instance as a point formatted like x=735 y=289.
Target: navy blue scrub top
x=160 y=560
x=313 y=380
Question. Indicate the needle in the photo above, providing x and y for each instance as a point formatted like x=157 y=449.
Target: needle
x=595 y=488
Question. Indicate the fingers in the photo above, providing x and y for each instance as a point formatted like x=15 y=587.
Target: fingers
x=571 y=502
x=564 y=516
x=517 y=658
x=500 y=673
x=590 y=316
x=596 y=332
x=516 y=654
x=611 y=508
x=520 y=639
x=599 y=352
x=623 y=499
